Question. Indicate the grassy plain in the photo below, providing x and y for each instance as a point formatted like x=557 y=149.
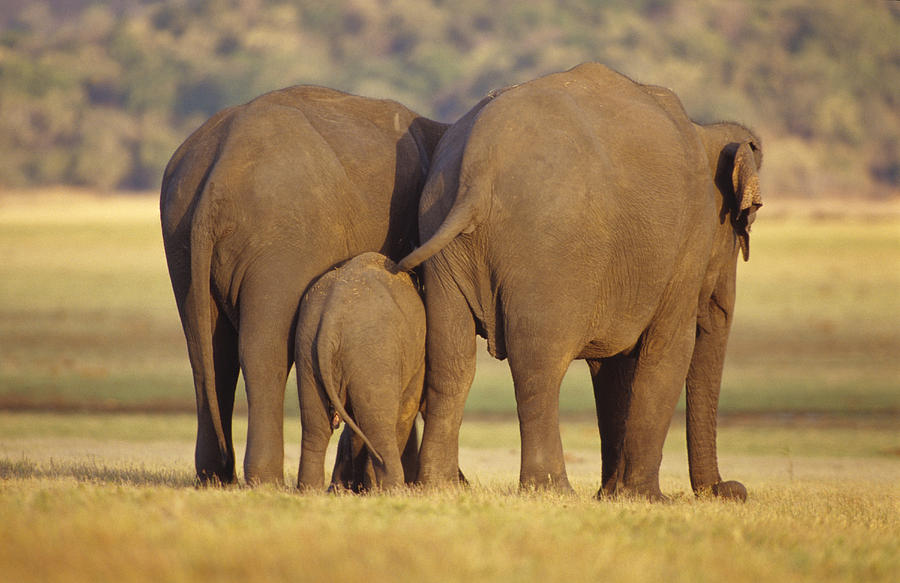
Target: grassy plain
x=100 y=497
x=810 y=423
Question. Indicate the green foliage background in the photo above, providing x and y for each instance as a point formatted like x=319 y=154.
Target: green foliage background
x=100 y=94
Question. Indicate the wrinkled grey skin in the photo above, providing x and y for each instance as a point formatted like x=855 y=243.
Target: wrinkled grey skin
x=360 y=347
x=582 y=215
x=257 y=203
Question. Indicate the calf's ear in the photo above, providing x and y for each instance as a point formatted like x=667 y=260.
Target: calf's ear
x=745 y=180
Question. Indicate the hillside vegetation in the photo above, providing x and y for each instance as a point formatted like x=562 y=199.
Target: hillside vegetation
x=100 y=94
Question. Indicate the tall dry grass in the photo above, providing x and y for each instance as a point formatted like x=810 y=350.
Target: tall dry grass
x=111 y=498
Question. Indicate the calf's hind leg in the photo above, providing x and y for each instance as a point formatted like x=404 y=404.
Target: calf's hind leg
x=376 y=414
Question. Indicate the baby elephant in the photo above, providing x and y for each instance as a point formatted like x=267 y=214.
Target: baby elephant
x=360 y=348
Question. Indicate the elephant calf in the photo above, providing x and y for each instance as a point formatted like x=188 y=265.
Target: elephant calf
x=360 y=347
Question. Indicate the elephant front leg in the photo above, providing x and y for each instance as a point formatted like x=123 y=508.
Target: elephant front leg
x=704 y=381
x=450 y=370
x=612 y=378
x=353 y=469
x=409 y=455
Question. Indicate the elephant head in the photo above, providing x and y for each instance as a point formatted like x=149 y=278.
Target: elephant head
x=737 y=179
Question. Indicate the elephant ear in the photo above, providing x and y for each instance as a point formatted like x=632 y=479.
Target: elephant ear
x=745 y=180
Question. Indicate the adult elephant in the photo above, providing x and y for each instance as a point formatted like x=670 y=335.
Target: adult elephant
x=257 y=203
x=583 y=215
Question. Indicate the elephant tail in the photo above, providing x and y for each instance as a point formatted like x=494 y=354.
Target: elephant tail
x=198 y=323
x=325 y=362
x=473 y=195
x=468 y=210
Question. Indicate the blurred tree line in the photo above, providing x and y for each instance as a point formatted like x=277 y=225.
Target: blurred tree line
x=100 y=94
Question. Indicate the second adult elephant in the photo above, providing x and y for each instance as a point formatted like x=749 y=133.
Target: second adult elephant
x=583 y=215
x=257 y=203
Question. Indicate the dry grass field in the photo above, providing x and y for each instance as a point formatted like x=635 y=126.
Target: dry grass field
x=96 y=432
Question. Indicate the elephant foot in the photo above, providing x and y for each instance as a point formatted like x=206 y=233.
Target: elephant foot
x=268 y=479
x=434 y=478
x=346 y=487
x=730 y=490
x=214 y=469
x=549 y=483
x=213 y=482
x=459 y=482
x=425 y=484
x=215 y=479
x=621 y=492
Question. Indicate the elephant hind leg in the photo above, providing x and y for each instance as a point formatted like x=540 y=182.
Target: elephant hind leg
x=537 y=371
x=342 y=475
x=266 y=351
x=315 y=424
x=407 y=434
x=450 y=370
x=658 y=379
x=379 y=424
x=537 y=402
x=409 y=455
x=211 y=465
